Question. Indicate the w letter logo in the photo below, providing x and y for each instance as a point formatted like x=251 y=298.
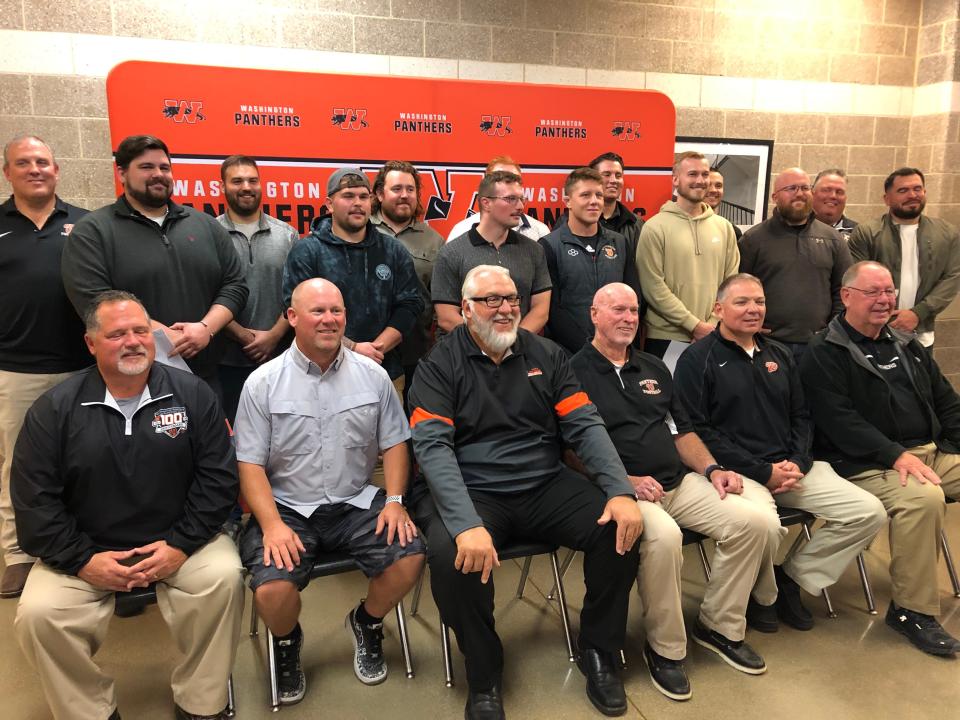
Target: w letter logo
x=626 y=130
x=349 y=118
x=495 y=125
x=179 y=111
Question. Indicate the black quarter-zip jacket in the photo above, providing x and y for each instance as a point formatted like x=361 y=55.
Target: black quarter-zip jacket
x=177 y=269
x=85 y=479
x=749 y=411
x=502 y=428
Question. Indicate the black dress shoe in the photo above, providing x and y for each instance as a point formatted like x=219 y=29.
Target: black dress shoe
x=735 y=653
x=762 y=618
x=923 y=631
x=789 y=603
x=484 y=705
x=182 y=714
x=115 y=715
x=604 y=686
x=668 y=675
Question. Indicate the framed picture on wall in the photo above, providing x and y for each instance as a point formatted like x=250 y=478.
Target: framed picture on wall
x=745 y=166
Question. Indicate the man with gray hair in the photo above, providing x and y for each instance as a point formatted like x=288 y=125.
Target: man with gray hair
x=493 y=408
x=830 y=200
x=795 y=256
x=41 y=336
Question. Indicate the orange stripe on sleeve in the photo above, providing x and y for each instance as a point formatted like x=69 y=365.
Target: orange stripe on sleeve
x=569 y=404
x=419 y=415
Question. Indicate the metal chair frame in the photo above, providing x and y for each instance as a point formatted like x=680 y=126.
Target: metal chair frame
x=326 y=564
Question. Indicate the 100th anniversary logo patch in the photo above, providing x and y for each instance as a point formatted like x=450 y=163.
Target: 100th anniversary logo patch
x=170 y=421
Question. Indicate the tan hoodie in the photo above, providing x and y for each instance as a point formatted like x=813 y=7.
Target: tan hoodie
x=681 y=261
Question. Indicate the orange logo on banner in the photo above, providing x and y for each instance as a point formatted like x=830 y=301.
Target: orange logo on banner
x=302 y=126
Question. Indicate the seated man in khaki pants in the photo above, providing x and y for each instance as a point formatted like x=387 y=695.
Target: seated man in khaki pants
x=889 y=422
x=122 y=476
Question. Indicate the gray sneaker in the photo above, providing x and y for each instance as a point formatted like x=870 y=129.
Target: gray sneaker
x=368 y=661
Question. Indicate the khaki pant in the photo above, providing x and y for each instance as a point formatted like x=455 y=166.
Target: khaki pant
x=747 y=531
x=17 y=393
x=62 y=621
x=378 y=478
x=852 y=518
x=916 y=519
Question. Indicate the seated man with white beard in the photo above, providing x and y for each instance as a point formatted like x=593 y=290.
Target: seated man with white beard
x=493 y=408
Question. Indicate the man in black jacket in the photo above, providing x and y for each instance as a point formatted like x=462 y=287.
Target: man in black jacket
x=743 y=394
x=616 y=216
x=122 y=477
x=888 y=421
x=180 y=262
x=583 y=256
x=493 y=407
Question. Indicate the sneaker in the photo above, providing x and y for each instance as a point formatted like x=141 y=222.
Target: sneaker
x=368 y=661
x=762 y=618
x=735 y=653
x=789 y=603
x=291 y=682
x=922 y=630
x=668 y=676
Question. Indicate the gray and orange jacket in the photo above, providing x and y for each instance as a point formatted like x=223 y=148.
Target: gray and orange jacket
x=502 y=428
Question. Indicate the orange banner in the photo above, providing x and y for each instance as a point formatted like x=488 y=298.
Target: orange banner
x=301 y=126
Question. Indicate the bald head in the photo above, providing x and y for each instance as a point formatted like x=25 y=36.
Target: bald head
x=613 y=294
x=792 y=194
x=313 y=286
x=318 y=318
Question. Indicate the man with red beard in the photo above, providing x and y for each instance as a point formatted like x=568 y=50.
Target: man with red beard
x=923 y=253
x=122 y=476
x=262 y=243
x=179 y=261
x=795 y=256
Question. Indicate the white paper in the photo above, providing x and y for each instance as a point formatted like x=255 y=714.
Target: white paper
x=164 y=348
x=672 y=354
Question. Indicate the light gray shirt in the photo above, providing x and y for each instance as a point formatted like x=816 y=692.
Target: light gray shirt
x=262 y=256
x=317 y=434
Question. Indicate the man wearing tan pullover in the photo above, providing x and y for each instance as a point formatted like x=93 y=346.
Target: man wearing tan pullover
x=685 y=252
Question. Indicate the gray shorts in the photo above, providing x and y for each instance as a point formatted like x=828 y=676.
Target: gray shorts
x=336 y=528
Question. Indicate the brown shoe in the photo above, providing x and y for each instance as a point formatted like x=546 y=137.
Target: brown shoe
x=14 y=578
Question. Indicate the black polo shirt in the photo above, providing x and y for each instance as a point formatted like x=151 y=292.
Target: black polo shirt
x=40 y=331
x=911 y=414
x=637 y=406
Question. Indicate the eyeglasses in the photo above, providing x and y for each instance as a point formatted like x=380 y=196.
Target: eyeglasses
x=874 y=294
x=495 y=301
x=509 y=199
x=794 y=189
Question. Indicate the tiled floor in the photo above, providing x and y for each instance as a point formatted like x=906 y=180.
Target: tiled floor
x=848 y=668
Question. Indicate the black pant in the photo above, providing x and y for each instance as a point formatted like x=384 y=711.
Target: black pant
x=655 y=346
x=232 y=379
x=563 y=510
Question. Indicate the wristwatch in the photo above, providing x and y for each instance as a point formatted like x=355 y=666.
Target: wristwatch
x=394 y=498
x=711 y=468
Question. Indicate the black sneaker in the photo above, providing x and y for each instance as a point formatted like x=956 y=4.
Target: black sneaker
x=668 y=676
x=789 y=603
x=923 y=631
x=484 y=705
x=115 y=715
x=291 y=682
x=368 y=661
x=181 y=714
x=604 y=685
x=735 y=653
x=762 y=618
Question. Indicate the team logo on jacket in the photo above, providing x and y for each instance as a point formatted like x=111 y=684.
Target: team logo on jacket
x=533 y=372
x=609 y=252
x=383 y=272
x=67 y=229
x=170 y=421
x=573 y=252
x=771 y=367
x=650 y=387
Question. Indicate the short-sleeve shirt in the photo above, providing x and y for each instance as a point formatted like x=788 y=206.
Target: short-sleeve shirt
x=317 y=433
x=522 y=256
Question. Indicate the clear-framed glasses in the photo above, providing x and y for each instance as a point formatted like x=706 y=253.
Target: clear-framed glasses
x=508 y=199
x=495 y=301
x=794 y=189
x=874 y=293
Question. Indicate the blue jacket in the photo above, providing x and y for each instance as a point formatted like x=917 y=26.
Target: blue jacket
x=376 y=276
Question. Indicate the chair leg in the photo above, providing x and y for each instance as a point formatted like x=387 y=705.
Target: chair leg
x=865 y=584
x=951 y=568
x=231 y=704
x=254 y=624
x=523 y=576
x=564 y=566
x=561 y=596
x=623 y=660
x=826 y=595
x=447 y=658
x=404 y=639
x=418 y=588
x=703 y=559
x=272 y=662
